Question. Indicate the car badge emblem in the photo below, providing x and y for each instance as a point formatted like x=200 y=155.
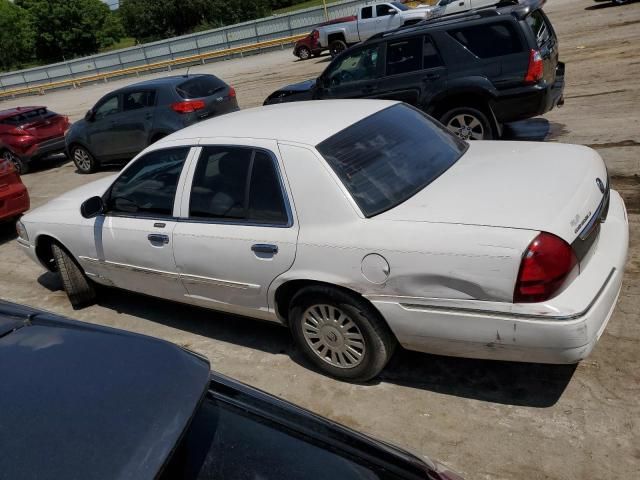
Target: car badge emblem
x=600 y=185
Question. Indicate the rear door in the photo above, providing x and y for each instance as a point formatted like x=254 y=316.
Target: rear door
x=546 y=41
x=354 y=74
x=367 y=23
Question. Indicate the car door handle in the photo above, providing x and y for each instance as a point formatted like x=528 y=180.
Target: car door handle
x=158 y=239
x=264 y=248
x=431 y=76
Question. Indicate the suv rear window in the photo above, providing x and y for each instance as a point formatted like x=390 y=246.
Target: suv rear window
x=390 y=156
x=539 y=27
x=487 y=41
x=28 y=117
x=198 y=87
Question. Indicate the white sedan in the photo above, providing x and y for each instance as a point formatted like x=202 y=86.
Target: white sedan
x=359 y=224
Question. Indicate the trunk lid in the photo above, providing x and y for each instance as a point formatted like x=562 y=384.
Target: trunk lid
x=41 y=123
x=524 y=185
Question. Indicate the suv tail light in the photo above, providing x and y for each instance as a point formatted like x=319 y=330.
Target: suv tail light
x=188 y=106
x=545 y=266
x=232 y=92
x=536 y=67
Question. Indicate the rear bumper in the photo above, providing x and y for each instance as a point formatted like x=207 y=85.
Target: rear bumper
x=14 y=200
x=42 y=149
x=567 y=335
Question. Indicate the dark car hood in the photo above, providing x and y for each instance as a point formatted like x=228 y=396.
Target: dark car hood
x=80 y=401
x=292 y=93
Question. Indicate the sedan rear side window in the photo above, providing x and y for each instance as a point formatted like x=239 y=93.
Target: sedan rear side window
x=199 y=87
x=388 y=157
x=488 y=41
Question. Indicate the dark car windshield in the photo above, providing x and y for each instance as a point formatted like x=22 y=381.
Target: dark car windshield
x=400 y=6
x=388 y=157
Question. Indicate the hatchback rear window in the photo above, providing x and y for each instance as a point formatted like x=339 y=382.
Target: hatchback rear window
x=487 y=41
x=388 y=157
x=198 y=87
x=28 y=117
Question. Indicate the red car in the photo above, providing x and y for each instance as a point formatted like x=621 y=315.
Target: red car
x=28 y=133
x=308 y=46
x=14 y=198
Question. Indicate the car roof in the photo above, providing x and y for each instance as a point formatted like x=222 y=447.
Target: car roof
x=10 y=112
x=84 y=401
x=308 y=122
x=162 y=81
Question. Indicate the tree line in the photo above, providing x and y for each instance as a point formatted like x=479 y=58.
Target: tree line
x=36 y=32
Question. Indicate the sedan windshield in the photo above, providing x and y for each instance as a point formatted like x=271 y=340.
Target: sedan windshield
x=388 y=157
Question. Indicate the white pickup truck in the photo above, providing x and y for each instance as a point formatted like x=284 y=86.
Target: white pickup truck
x=371 y=19
x=449 y=7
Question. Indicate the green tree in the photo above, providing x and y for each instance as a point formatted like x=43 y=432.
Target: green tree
x=17 y=36
x=71 y=28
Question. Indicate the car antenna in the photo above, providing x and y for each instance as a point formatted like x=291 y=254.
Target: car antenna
x=187 y=74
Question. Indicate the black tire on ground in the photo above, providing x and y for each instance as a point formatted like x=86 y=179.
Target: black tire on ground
x=316 y=54
x=336 y=47
x=20 y=165
x=79 y=288
x=83 y=159
x=378 y=341
x=304 y=53
x=468 y=123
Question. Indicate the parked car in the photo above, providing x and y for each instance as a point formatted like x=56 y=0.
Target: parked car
x=308 y=46
x=100 y=403
x=473 y=72
x=374 y=227
x=129 y=119
x=449 y=7
x=14 y=198
x=371 y=20
x=31 y=133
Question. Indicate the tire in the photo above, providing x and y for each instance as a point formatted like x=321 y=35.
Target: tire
x=79 y=289
x=20 y=165
x=85 y=162
x=336 y=47
x=304 y=53
x=468 y=123
x=340 y=314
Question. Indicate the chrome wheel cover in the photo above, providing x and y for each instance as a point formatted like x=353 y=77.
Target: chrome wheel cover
x=466 y=126
x=304 y=53
x=333 y=336
x=82 y=159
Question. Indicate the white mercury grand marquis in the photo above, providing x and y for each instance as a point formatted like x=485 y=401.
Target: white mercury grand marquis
x=359 y=224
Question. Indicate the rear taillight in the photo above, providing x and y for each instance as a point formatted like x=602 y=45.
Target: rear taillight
x=536 y=68
x=232 y=92
x=188 y=106
x=545 y=267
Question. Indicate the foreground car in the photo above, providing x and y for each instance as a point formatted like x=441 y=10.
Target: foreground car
x=30 y=133
x=100 y=403
x=379 y=227
x=127 y=120
x=14 y=198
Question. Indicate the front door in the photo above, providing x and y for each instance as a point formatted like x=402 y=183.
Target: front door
x=236 y=233
x=104 y=139
x=133 y=239
x=354 y=75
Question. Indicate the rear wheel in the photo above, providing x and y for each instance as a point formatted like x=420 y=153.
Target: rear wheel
x=79 y=288
x=84 y=161
x=468 y=123
x=336 y=47
x=341 y=334
x=304 y=53
x=20 y=165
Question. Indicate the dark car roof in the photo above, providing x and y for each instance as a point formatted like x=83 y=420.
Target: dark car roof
x=81 y=401
x=10 y=112
x=163 y=81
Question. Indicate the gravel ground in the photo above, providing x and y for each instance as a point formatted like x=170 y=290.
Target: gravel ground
x=487 y=420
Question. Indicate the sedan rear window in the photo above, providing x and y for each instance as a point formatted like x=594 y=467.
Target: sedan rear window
x=28 y=117
x=388 y=157
x=199 y=87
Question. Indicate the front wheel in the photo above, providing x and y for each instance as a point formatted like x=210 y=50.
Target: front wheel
x=336 y=47
x=468 y=123
x=304 y=53
x=19 y=164
x=78 y=287
x=84 y=161
x=340 y=334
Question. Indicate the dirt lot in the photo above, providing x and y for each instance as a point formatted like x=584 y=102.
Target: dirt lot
x=485 y=419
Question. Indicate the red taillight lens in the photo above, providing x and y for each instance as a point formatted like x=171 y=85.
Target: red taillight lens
x=544 y=268
x=536 y=67
x=232 y=92
x=187 y=106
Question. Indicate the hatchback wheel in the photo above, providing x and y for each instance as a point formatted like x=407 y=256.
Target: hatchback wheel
x=304 y=53
x=20 y=165
x=85 y=163
x=340 y=334
x=336 y=47
x=468 y=123
x=78 y=287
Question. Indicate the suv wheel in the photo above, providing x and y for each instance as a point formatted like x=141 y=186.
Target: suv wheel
x=468 y=123
x=20 y=165
x=85 y=163
x=304 y=53
x=340 y=334
x=336 y=47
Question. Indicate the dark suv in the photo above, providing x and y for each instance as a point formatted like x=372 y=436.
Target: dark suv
x=472 y=71
x=127 y=120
